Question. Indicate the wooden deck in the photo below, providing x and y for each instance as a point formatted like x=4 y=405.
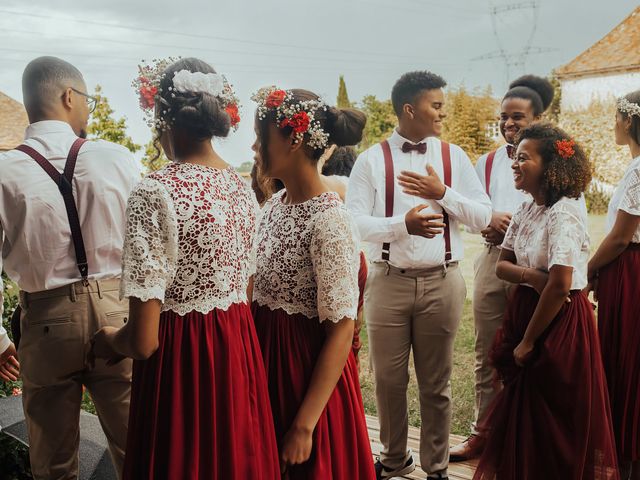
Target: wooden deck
x=457 y=471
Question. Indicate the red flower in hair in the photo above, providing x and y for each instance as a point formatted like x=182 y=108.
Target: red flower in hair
x=565 y=148
x=275 y=98
x=299 y=122
x=147 y=93
x=232 y=111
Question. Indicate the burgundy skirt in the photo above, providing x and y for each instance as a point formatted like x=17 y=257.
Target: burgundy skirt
x=291 y=345
x=552 y=418
x=200 y=405
x=619 y=326
x=362 y=280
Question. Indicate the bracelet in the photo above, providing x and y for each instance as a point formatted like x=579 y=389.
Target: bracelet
x=524 y=270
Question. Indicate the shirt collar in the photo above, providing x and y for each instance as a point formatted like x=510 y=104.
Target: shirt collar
x=397 y=139
x=46 y=127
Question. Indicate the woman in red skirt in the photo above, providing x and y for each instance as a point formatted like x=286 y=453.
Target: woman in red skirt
x=614 y=272
x=199 y=403
x=306 y=291
x=552 y=419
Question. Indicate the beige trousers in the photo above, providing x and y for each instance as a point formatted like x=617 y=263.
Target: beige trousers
x=417 y=310
x=490 y=296
x=57 y=326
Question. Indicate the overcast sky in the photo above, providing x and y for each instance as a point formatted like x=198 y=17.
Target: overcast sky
x=299 y=44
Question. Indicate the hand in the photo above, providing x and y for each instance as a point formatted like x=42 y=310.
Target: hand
x=427 y=186
x=426 y=226
x=9 y=365
x=592 y=286
x=492 y=236
x=522 y=352
x=102 y=346
x=296 y=447
x=500 y=221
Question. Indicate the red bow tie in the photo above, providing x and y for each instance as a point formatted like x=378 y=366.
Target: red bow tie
x=510 y=151
x=418 y=147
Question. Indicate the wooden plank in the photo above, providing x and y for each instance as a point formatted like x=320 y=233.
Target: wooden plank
x=457 y=471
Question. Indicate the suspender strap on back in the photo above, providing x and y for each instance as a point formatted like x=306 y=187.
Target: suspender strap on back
x=64 y=182
x=446 y=167
x=389 y=183
x=487 y=171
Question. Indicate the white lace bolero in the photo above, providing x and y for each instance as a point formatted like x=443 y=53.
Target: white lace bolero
x=308 y=258
x=626 y=197
x=543 y=236
x=189 y=239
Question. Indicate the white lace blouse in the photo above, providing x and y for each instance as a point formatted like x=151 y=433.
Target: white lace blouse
x=308 y=258
x=542 y=237
x=189 y=239
x=626 y=197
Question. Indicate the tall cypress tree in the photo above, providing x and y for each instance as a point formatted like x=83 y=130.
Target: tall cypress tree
x=343 y=97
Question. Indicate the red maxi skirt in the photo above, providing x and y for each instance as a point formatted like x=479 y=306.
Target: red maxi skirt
x=619 y=326
x=200 y=405
x=291 y=345
x=552 y=418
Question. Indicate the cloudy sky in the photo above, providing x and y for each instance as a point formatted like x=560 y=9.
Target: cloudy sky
x=300 y=44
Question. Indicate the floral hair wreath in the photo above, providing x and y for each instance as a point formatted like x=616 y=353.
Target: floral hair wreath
x=630 y=108
x=147 y=84
x=565 y=148
x=299 y=115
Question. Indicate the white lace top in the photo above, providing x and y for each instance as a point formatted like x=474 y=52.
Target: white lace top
x=308 y=258
x=189 y=239
x=626 y=197
x=542 y=237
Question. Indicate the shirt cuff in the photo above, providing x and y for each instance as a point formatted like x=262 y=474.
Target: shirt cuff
x=399 y=226
x=5 y=341
x=449 y=198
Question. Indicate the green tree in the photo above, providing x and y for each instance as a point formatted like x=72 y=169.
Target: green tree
x=554 y=112
x=105 y=127
x=154 y=158
x=381 y=120
x=245 y=167
x=343 y=96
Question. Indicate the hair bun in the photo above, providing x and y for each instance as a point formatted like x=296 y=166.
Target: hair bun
x=345 y=126
x=540 y=85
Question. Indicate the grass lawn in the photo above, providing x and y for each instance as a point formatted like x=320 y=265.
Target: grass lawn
x=462 y=378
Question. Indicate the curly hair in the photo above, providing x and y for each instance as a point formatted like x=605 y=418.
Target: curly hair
x=538 y=90
x=412 y=84
x=340 y=162
x=561 y=177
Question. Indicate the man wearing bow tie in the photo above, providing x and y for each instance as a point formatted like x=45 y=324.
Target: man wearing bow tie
x=409 y=196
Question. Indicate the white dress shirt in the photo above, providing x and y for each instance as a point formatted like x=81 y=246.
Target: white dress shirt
x=37 y=249
x=465 y=202
x=626 y=197
x=504 y=195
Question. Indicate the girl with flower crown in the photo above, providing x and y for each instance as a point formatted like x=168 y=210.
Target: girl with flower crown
x=613 y=274
x=552 y=419
x=306 y=291
x=200 y=403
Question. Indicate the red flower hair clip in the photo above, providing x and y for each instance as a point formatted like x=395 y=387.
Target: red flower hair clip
x=275 y=99
x=565 y=148
x=299 y=122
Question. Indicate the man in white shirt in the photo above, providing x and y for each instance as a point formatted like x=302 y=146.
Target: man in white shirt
x=63 y=299
x=403 y=194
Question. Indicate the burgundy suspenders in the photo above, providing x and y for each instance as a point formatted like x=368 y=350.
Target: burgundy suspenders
x=487 y=171
x=389 y=182
x=66 y=190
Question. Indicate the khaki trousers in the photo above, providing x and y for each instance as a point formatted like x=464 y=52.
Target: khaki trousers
x=417 y=310
x=490 y=296
x=57 y=326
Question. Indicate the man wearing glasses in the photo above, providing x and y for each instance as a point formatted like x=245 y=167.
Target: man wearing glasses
x=62 y=220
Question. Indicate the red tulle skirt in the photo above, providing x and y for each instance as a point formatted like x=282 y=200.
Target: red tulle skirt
x=291 y=345
x=200 y=405
x=552 y=418
x=619 y=326
x=362 y=280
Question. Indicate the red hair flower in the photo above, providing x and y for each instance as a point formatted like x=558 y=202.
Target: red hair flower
x=299 y=122
x=147 y=93
x=232 y=111
x=565 y=148
x=275 y=98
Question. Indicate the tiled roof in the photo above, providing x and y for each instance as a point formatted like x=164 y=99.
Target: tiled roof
x=13 y=121
x=618 y=51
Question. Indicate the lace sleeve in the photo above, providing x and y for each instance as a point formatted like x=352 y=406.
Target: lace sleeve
x=567 y=234
x=514 y=227
x=151 y=242
x=334 y=254
x=630 y=201
x=253 y=250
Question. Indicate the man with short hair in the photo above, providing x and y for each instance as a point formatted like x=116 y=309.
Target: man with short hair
x=409 y=195
x=62 y=220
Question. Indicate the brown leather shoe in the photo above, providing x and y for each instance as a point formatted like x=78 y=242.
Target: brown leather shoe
x=468 y=450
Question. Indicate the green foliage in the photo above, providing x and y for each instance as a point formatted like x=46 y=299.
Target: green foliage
x=343 y=96
x=154 y=158
x=381 y=120
x=245 y=167
x=597 y=200
x=553 y=114
x=105 y=127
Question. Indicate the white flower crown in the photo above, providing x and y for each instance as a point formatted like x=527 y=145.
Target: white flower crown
x=299 y=115
x=630 y=108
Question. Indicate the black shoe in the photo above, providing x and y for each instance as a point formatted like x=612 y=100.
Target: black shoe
x=439 y=477
x=383 y=472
